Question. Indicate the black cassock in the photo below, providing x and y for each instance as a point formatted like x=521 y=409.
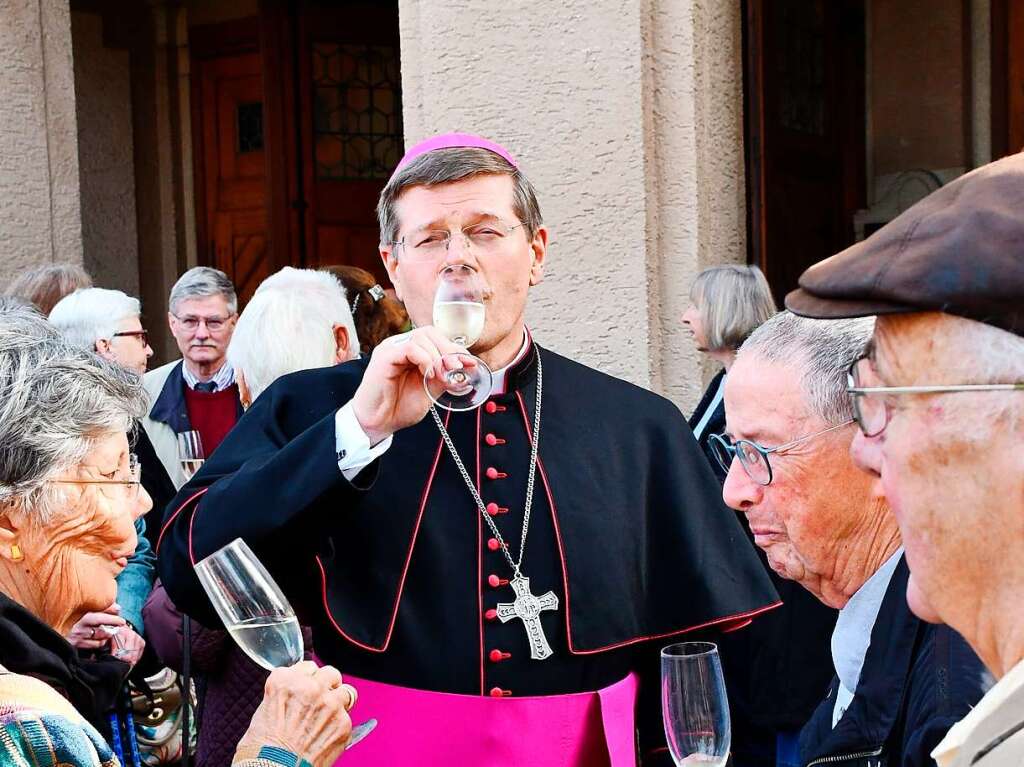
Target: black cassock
x=394 y=570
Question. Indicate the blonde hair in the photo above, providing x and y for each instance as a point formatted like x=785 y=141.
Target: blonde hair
x=733 y=300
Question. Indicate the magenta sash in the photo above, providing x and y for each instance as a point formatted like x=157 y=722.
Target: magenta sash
x=431 y=729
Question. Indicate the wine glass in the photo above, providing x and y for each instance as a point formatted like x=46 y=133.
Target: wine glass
x=190 y=453
x=694 y=706
x=459 y=314
x=256 y=612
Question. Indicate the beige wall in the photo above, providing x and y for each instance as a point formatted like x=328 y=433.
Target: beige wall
x=105 y=157
x=626 y=116
x=39 y=198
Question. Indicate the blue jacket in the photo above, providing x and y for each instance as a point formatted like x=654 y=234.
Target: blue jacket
x=136 y=580
x=918 y=679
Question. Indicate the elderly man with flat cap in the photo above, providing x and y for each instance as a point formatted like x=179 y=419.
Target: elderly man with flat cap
x=495 y=582
x=939 y=400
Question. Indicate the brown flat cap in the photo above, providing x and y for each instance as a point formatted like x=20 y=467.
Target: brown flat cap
x=960 y=251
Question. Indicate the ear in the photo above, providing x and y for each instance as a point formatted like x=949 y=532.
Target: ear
x=244 y=395
x=342 y=345
x=170 y=322
x=539 y=247
x=8 y=533
x=391 y=264
x=105 y=349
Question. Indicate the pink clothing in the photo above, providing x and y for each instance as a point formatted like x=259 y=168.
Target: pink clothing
x=434 y=729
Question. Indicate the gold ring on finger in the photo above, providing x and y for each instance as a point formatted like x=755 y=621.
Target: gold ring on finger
x=353 y=695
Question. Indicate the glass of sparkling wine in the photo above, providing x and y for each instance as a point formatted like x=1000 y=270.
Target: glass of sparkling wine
x=459 y=314
x=694 y=706
x=256 y=612
x=190 y=453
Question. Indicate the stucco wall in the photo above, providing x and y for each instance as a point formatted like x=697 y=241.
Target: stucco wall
x=39 y=201
x=612 y=109
x=106 y=167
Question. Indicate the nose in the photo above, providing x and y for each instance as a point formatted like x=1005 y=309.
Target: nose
x=866 y=453
x=143 y=504
x=149 y=351
x=202 y=331
x=740 y=492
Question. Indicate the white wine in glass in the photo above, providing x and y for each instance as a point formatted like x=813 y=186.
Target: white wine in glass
x=256 y=612
x=694 y=706
x=459 y=314
x=190 y=453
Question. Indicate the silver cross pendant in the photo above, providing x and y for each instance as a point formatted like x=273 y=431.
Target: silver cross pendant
x=527 y=608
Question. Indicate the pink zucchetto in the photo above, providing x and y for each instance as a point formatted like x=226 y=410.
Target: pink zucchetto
x=453 y=141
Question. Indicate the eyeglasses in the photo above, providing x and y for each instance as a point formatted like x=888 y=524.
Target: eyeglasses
x=142 y=335
x=213 y=324
x=131 y=486
x=754 y=457
x=872 y=406
x=483 y=239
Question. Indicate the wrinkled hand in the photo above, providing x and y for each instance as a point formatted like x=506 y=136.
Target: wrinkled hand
x=391 y=395
x=303 y=711
x=127 y=645
x=90 y=633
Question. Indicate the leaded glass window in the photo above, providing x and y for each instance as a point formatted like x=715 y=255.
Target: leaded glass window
x=357 y=112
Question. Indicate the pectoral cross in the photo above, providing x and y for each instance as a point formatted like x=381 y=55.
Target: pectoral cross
x=527 y=608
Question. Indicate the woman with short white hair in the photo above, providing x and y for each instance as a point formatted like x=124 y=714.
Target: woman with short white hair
x=106 y=322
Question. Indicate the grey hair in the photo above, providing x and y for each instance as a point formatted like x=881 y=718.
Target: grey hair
x=446 y=166
x=288 y=325
x=91 y=314
x=43 y=286
x=821 y=350
x=732 y=300
x=56 y=400
x=202 y=282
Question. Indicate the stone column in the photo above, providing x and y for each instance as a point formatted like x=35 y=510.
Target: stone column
x=40 y=218
x=627 y=116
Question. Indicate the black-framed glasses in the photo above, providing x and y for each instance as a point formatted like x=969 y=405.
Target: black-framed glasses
x=483 y=238
x=131 y=486
x=754 y=457
x=213 y=324
x=872 y=406
x=142 y=335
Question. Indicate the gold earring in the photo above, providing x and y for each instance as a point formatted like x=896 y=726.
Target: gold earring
x=16 y=554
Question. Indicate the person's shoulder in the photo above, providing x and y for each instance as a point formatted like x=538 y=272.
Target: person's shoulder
x=154 y=379
x=317 y=389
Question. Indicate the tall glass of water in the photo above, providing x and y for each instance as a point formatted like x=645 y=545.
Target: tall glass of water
x=256 y=612
x=694 y=706
x=190 y=453
x=459 y=314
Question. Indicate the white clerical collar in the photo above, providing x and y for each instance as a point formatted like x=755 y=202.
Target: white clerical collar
x=222 y=379
x=498 y=376
x=852 y=635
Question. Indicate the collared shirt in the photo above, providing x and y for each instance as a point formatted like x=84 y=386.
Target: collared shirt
x=222 y=379
x=852 y=635
x=353 y=446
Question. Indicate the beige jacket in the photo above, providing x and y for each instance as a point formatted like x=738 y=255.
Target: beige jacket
x=163 y=437
x=992 y=735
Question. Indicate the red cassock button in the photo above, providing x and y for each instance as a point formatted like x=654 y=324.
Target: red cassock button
x=491 y=407
x=494 y=581
x=497 y=692
x=497 y=656
x=492 y=509
x=492 y=440
x=493 y=473
x=493 y=544
x=491 y=614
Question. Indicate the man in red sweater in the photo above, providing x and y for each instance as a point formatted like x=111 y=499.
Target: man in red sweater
x=197 y=392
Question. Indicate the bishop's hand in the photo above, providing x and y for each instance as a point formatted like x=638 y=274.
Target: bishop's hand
x=391 y=395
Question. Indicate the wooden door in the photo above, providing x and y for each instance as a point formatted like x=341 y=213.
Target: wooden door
x=231 y=168
x=1007 y=19
x=805 y=132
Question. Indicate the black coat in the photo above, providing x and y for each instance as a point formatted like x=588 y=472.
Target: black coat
x=918 y=679
x=628 y=529
x=715 y=425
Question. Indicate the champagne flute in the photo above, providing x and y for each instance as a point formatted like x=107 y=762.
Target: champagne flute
x=694 y=706
x=459 y=314
x=256 y=612
x=190 y=453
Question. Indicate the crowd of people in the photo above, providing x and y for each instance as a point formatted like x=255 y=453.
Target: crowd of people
x=843 y=512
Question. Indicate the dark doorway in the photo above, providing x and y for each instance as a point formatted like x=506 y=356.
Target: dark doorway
x=805 y=144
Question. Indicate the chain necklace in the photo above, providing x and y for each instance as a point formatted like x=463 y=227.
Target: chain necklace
x=526 y=607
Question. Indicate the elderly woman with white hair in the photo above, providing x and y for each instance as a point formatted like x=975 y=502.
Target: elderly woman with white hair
x=69 y=494
x=298 y=319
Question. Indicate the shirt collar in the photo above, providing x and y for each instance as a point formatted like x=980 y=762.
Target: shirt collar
x=498 y=376
x=852 y=635
x=222 y=379
x=948 y=750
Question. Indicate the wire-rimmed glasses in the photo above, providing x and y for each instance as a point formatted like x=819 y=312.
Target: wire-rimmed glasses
x=871 y=404
x=483 y=238
x=131 y=486
x=754 y=457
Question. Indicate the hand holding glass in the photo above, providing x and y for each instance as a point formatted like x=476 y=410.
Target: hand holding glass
x=255 y=611
x=694 y=706
x=190 y=453
x=465 y=381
